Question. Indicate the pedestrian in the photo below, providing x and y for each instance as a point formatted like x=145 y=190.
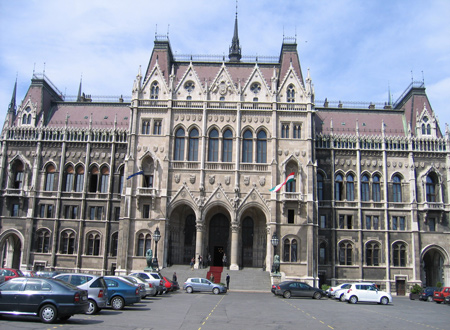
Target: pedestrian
x=211 y=277
x=208 y=260
x=200 y=262
x=228 y=281
x=174 y=277
x=192 y=263
x=224 y=260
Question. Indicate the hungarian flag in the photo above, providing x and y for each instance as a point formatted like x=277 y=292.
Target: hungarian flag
x=289 y=178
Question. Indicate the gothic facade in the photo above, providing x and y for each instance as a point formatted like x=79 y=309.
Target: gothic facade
x=194 y=153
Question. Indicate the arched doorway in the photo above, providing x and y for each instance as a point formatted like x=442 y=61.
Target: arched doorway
x=247 y=242
x=10 y=248
x=182 y=235
x=433 y=267
x=219 y=232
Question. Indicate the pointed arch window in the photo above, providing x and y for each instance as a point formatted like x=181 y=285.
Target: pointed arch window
x=397 y=189
x=431 y=188
x=17 y=169
x=285 y=131
x=79 y=179
x=114 y=244
x=365 y=193
x=290 y=94
x=338 y=187
x=376 y=188
x=193 y=145
x=247 y=147
x=261 y=147
x=69 y=177
x=154 y=91
x=213 y=146
x=227 y=150
x=372 y=254
x=24 y=119
x=104 y=179
x=93 y=244
x=179 y=144
x=43 y=241
x=297 y=131
x=290 y=250
x=121 y=179
x=144 y=243
x=345 y=253
x=428 y=129
x=67 y=242
x=93 y=179
x=320 y=186
x=399 y=256
x=350 y=188
x=50 y=177
x=322 y=253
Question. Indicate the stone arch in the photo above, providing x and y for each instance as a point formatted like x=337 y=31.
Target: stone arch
x=11 y=243
x=434 y=265
x=217 y=219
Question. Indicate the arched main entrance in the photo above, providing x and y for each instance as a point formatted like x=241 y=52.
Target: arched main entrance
x=10 y=248
x=182 y=236
x=433 y=267
x=219 y=233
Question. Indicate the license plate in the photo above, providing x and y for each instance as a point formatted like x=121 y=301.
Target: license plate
x=84 y=298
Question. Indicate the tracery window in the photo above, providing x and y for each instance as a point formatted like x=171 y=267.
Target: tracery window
x=154 y=91
x=290 y=94
x=338 y=187
x=397 y=189
x=372 y=254
x=193 y=145
x=247 y=147
x=143 y=244
x=50 y=177
x=431 y=188
x=345 y=253
x=350 y=188
x=179 y=145
x=93 y=244
x=261 y=147
x=213 y=146
x=290 y=250
x=227 y=146
x=67 y=242
x=399 y=255
x=43 y=241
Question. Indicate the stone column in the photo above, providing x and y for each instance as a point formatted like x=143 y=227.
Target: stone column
x=198 y=243
x=234 y=246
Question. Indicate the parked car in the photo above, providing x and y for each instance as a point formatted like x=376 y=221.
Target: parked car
x=427 y=293
x=95 y=286
x=46 y=273
x=154 y=278
x=121 y=292
x=339 y=294
x=49 y=299
x=447 y=300
x=9 y=273
x=289 y=289
x=168 y=284
x=29 y=273
x=331 y=290
x=148 y=288
x=366 y=293
x=203 y=285
x=274 y=287
x=440 y=295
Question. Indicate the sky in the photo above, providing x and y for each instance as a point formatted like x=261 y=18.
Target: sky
x=356 y=51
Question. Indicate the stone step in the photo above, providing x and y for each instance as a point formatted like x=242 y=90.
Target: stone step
x=247 y=279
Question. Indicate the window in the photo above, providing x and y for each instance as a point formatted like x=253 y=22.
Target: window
x=350 y=188
x=17 y=169
x=104 y=180
x=398 y=223
x=376 y=191
x=341 y=221
x=372 y=222
x=368 y=222
x=15 y=210
x=345 y=253
x=67 y=242
x=247 y=147
x=431 y=224
x=290 y=249
x=92 y=213
x=50 y=177
x=402 y=223
x=74 y=212
x=291 y=216
x=399 y=256
x=42 y=208
x=285 y=131
x=290 y=185
x=145 y=127
x=290 y=94
x=79 y=179
x=121 y=178
x=49 y=211
x=227 y=146
x=114 y=244
x=99 y=212
x=179 y=145
x=431 y=188
x=146 y=211
x=154 y=91
x=193 y=145
x=375 y=222
x=323 y=221
x=144 y=243
x=397 y=189
x=322 y=253
x=147 y=181
x=320 y=187
x=93 y=244
x=157 y=127
x=297 y=131
x=338 y=187
x=365 y=195
x=95 y=212
x=189 y=86
x=372 y=254
x=116 y=213
x=43 y=241
x=93 y=182
x=69 y=173
x=261 y=147
x=213 y=146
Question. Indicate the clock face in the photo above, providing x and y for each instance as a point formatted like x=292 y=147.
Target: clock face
x=255 y=87
x=189 y=86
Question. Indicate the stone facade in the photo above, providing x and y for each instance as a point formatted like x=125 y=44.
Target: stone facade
x=194 y=153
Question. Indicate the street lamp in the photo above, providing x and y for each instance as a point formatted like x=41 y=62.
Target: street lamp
x=156 y=238
x=276 y=263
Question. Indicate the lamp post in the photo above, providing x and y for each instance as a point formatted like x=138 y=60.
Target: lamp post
x=156 y=238
x=276 y=263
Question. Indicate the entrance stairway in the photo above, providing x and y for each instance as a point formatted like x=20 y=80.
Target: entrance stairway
x=247 y=279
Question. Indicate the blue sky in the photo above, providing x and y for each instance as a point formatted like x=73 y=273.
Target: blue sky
x=354 y=49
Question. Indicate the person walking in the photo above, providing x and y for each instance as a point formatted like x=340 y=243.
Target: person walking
x=228 y=281
x=192 y=263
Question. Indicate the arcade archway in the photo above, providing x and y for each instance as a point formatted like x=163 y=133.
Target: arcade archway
x=219 y=233
x=433 y=267
x=10 y=247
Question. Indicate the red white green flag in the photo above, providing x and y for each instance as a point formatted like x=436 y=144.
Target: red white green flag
x=289 y=178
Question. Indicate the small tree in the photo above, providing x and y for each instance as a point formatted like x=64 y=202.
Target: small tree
x=439 y=284
x=416 y=289
x=325 y=287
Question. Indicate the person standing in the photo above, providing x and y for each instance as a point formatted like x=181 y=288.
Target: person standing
x=228 y=281
x=192 y=263
x=200 y=262
x=174 y=277
x=208 y=260
x=224 y=260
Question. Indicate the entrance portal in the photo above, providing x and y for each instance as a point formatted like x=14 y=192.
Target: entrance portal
x=219 y=230
x=10 y=252
x=433 y=263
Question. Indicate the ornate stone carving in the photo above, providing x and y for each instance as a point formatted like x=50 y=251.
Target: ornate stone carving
x=246 y=180
x=227 y=179
x=192 y=178
x=262 y=181
x=212 y=179
x=177 y=178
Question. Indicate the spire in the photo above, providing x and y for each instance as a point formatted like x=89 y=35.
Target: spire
x=12 y=105
x=79 y=90
x=235 y=49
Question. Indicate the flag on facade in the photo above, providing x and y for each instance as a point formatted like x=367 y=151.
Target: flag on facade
x=134 y=174
x=289 y=178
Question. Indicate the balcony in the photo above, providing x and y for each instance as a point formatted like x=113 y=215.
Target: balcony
x=144 y=192
x=220 y=166
x=292 y=196
x=16 y=192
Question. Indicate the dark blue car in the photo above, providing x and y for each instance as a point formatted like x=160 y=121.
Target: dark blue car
x=427 y=293
x=121 y=292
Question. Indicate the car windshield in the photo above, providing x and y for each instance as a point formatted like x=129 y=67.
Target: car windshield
x=99 y=283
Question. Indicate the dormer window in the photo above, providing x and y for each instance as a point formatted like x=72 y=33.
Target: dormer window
x=154 y=91
x=290 y=94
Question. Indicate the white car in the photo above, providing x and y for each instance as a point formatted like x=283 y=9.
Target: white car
x=366 y=293
x=332 y=290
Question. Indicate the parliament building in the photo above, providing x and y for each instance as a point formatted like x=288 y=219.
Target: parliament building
x=193 y=154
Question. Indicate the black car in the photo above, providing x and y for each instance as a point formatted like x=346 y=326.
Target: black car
x=47 y=298
x=290 y=289
x=427 y=293
x=447 y=300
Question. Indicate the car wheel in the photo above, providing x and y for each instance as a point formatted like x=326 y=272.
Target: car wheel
x=117 y=303
x=287 y=294
x=438 y=302
x=342 y=298
x=384 y=301
x=48 y=314
x=189 y=289
x=317 y=295
x=216 y=290
x=353 y=300
x=64 y=318
x=430 y=298
x=156 y=292
x=93 y=308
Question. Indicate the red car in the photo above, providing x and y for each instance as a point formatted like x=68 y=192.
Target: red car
x=167 y=284
x=439 y=296
x=9 y=273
